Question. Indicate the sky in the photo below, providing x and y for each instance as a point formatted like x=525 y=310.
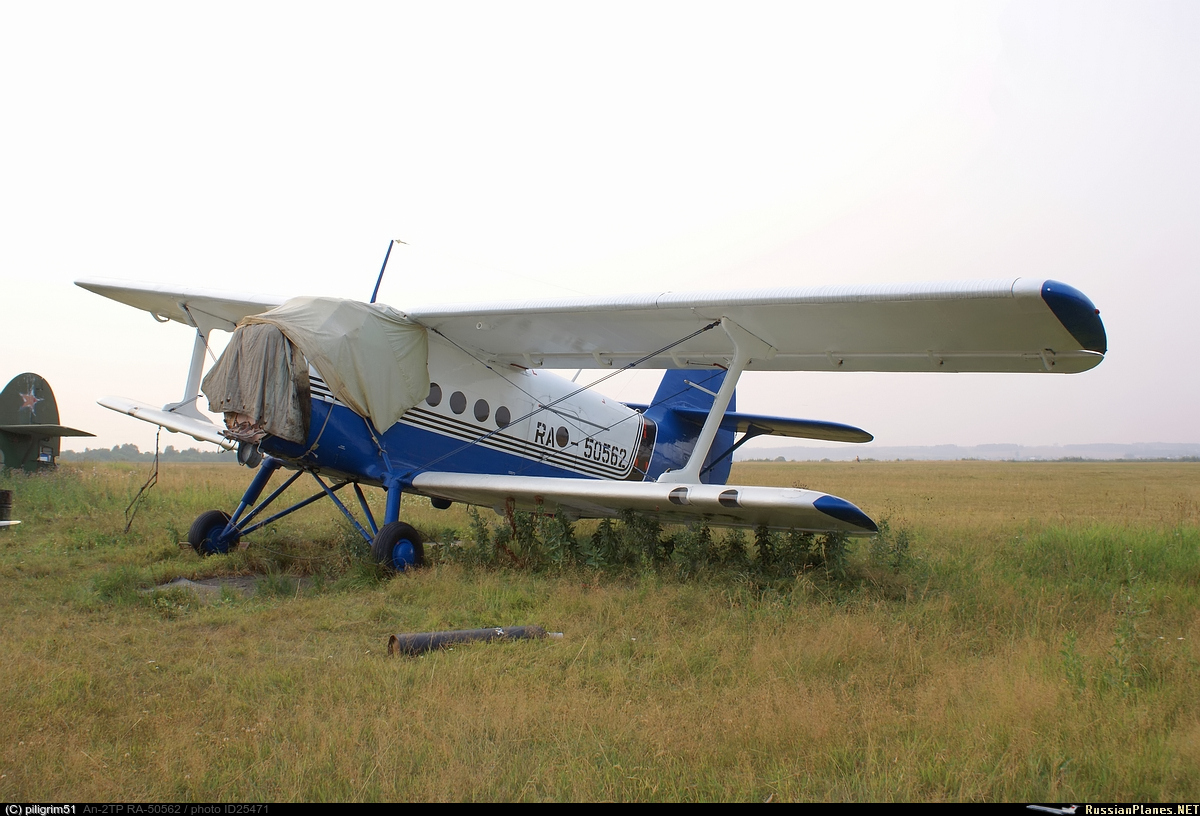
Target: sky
x=552 y=149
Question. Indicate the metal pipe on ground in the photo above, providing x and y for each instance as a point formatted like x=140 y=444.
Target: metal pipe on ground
x=418 y=642
x=6 y=503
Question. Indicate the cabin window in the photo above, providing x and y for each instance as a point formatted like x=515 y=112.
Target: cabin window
x=562 y=437
x=458 y=402
x=482 y=410
x=435 y=395
x=503 y=417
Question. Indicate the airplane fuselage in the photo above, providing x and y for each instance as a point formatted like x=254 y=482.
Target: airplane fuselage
x=493 y=419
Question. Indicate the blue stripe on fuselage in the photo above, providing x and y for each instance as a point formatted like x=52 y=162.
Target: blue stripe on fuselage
x=340 y=444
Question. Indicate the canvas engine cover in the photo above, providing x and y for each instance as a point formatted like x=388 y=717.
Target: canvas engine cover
x=260 y=384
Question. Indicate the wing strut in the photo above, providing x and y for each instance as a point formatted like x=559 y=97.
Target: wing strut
x=203 y=323
x=746 y=347
x=191 y=389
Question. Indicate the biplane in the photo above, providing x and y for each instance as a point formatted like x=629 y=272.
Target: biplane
x=457 y=403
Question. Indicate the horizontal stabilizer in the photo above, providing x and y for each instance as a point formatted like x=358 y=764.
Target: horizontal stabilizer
x=9 y=523
x=779 y=508
x=42 y=431
x=774 y=426
x=782 y=426
x=198 y=429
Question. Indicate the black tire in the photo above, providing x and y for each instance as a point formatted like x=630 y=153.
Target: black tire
x=398 y=546
x=204 y=532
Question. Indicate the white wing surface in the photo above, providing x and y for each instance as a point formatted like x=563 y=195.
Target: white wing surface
x=1006 y=325
x=200 y=308
x=199 y=429
x=779 y=508
x=1019 y=325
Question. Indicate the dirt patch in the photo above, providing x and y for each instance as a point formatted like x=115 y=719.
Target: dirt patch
x=208 y=590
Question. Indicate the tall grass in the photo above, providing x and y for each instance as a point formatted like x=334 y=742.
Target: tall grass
x=1026 y=632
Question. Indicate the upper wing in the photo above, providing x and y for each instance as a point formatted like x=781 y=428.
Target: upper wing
x=779 y=508
x=1009 y=325
x=201 y=308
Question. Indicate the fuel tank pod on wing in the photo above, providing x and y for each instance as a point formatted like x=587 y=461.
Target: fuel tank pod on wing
x=30 y=435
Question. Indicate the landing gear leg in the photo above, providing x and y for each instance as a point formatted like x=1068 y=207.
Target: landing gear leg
x=214 y=531
x=392 y=508
x=257 y=485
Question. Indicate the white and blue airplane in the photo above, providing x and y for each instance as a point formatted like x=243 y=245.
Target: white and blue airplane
x=456 y=402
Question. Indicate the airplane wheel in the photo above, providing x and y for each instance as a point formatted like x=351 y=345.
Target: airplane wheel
x=205 y=531
x=398 y=546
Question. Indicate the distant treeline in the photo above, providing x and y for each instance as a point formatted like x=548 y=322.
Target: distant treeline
x=130 y=453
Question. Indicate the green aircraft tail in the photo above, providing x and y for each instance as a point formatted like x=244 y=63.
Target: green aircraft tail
x=30 y=435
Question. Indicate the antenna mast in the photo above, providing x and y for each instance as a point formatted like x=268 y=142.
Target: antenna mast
x=383 y=268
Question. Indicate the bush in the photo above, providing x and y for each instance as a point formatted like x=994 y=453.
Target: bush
x=637 y=542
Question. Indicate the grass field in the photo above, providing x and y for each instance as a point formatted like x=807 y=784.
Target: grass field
x=1040 y=642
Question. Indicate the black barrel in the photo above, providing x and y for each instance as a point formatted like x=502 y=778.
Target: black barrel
x=5 y=505
x=415 y=643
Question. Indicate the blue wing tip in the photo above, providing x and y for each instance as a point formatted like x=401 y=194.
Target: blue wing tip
x=1077 y=313
x=843 y=510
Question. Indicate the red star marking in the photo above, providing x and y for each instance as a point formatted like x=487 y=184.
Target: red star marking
x=29 y=400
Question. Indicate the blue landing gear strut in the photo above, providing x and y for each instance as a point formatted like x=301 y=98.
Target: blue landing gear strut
x=395 y=544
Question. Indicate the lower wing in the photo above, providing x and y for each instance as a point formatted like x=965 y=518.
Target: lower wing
x=778 y=508
x=199 y=429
